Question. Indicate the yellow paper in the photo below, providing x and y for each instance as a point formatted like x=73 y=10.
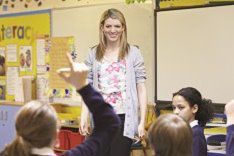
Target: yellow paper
x=215 y=130
x=21 y=30
x=60 y=46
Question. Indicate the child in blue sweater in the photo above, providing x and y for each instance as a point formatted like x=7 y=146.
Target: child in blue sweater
x=37 y=126
x=189 y=104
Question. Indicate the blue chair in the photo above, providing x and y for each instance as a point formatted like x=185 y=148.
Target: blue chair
x=216 y=140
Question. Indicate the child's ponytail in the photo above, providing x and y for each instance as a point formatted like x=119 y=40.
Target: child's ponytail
x=205 y=112
x=18 y=147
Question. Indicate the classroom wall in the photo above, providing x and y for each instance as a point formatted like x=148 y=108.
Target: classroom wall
x=83 y=22
x=7 y=6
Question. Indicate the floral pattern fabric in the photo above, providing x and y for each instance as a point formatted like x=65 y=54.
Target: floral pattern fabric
x=112 y=83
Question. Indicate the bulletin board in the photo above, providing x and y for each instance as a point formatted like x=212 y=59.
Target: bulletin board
x=83 y=24
x=195 y=48
x=18 y=46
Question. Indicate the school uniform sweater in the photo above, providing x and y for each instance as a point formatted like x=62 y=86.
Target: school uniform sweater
x=230 y=141
x=199 y=141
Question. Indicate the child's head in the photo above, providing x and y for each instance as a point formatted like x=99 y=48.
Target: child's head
x=36 y=126
x=171 y=135
x=189 y=104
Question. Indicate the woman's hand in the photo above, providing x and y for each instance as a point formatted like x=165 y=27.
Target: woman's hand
x=76 y=75
x=141 y=131
x=84 y=128
x=84 y=121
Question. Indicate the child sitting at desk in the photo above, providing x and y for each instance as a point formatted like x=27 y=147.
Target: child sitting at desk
x=189 y=104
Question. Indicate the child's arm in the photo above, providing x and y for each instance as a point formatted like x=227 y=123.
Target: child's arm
x=106 y=125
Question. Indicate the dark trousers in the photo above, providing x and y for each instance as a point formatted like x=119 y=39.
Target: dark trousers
x=121 y=145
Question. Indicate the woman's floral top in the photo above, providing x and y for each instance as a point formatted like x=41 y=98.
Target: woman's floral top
x=112 y=83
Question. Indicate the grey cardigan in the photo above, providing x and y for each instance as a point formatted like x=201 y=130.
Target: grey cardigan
x=135 y=73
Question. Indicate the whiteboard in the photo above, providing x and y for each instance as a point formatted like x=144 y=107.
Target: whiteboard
x=195 y=47
x=83 y=23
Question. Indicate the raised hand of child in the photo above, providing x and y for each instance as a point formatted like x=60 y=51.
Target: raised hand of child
x=76 y=74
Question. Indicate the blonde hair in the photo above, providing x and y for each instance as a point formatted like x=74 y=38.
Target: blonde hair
x=124 y=46
x=36 y=126
x=170 y=135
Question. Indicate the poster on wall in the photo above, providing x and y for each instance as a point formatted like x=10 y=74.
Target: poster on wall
x=59 y=46
x=2 y=61
x=11 y=53
x=42 y=85
x=25 y=58
x=18 y=35
x=2 y=89
x=12 y=77
x=41 y=54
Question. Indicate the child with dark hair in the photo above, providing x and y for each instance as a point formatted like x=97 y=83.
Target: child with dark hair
x=197 y=111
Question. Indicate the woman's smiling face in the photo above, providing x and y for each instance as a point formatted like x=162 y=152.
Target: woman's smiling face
x=112 y=30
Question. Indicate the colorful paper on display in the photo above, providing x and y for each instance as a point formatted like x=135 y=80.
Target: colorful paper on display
x=56 y=58
x=18 y=33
